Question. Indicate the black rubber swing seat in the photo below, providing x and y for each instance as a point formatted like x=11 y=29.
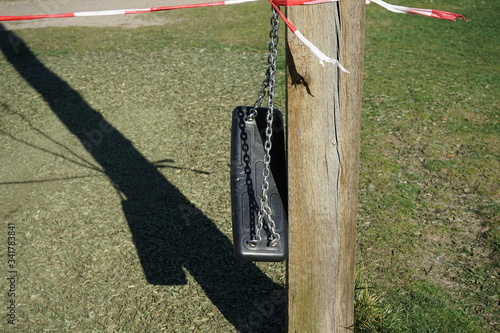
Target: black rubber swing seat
x=247 y=165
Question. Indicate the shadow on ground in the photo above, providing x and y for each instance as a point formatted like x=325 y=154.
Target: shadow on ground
x=158 y=214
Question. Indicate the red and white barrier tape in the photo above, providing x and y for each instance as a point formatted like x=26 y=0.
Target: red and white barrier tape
x=420 y=11
x=393 y=8
x=121 y=11
x=275 y=3
x=314 y=50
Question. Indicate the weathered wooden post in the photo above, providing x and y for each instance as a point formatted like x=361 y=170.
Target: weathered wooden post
x=324 y=106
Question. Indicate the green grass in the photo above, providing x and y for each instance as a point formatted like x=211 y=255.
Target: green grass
x=430 y=187
x=429 y=184
x=427 y=308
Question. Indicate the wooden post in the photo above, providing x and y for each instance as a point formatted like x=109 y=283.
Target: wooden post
x=324 y=107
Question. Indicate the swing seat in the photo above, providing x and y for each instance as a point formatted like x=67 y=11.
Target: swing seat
x=247 y=165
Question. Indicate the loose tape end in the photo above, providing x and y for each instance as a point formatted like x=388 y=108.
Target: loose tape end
x=317 y=52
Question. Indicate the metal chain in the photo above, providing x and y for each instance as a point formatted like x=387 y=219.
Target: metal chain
x=268 y=84
x=271 y=69
x=262 y=93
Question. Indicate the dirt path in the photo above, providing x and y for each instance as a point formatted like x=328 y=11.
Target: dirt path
x=34 y=7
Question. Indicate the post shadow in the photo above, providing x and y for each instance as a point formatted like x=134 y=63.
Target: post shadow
x=168 y=231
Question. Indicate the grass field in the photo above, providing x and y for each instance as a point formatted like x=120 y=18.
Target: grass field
x=114 y=151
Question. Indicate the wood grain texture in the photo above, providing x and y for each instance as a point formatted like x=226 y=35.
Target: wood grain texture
x=324 y=107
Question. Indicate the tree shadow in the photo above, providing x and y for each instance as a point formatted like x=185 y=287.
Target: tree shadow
x=168 y=231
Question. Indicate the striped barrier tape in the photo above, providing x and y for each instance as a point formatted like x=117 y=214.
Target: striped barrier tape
x=393 y=8
x=420 y=11
x=275 y=3
x=312 y=48
x=121 y=11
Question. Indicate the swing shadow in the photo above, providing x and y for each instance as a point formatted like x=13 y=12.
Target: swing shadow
x=168 y=231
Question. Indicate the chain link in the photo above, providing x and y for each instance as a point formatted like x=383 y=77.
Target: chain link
x=271 y=69
x=269 y=85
